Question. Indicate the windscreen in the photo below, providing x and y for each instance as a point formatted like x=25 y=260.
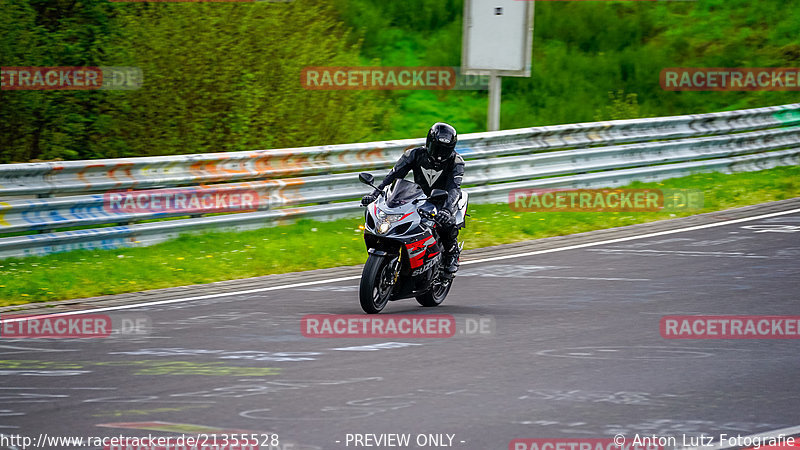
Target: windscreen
x=403 y=192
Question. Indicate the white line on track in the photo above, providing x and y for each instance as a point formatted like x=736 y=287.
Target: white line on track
x=631 y=238
x=545 y=277
x=356 y=277
x=185 y=299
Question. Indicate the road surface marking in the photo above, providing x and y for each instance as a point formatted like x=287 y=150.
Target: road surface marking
x=356 y=277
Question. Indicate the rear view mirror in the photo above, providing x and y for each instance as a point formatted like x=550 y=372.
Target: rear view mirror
x=366 y=178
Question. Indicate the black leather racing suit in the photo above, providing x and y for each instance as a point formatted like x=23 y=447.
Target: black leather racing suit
x=448 y=177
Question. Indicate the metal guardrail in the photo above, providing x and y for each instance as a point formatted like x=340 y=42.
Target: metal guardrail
x=166 y=171
x=43 y=214
x=578 y=155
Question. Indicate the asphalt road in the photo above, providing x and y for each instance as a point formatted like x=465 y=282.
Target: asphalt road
x=572 y=349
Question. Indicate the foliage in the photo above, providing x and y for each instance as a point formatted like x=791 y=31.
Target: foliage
x=55 y=124
x=621 y=106
x=224 y=76
x=227 y=77
x=217 y=77
x=583 y=51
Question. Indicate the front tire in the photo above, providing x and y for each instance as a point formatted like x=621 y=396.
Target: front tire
x=374 y=290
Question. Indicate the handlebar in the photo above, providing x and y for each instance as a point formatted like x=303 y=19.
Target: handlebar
x=426 y=215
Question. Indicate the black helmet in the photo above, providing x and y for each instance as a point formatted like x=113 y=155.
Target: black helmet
x=441 y=143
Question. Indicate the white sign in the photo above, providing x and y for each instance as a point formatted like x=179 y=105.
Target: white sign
x=498 y=37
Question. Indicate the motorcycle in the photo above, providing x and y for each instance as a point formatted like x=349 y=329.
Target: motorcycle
x=405 y=257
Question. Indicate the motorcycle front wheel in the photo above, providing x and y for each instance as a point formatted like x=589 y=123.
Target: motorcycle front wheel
x=376 y=286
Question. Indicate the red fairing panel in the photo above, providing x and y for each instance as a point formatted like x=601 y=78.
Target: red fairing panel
x=416 y=250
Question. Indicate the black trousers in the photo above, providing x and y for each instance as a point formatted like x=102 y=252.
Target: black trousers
x=448 y=236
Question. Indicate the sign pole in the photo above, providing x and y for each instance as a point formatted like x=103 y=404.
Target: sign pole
x=497 y=40
x=495 y=86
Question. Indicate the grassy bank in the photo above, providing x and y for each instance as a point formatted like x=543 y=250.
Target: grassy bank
x=591 y=60
x=309 y=245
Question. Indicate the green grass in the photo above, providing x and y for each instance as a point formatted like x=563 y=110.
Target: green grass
x=582 y=53
x=306 y=245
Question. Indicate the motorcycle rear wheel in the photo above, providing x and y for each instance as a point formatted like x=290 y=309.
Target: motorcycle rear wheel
x=375 y=289
x=436 y=295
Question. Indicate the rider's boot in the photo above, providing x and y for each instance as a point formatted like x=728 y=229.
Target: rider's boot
x=450 y=261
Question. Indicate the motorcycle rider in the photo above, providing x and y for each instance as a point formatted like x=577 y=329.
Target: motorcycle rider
x=437 y=165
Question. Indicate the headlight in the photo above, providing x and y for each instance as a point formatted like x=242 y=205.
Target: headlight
x=383 y=227
x=388 y=217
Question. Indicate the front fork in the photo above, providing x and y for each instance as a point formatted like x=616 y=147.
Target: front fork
x=395 y=264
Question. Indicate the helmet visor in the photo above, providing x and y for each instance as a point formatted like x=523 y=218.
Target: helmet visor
x=442 y=146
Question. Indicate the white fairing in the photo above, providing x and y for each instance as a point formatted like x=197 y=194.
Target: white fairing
x=461 y=205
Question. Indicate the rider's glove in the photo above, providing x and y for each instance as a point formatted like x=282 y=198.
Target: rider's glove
x=369 y=198
x=445 y=218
